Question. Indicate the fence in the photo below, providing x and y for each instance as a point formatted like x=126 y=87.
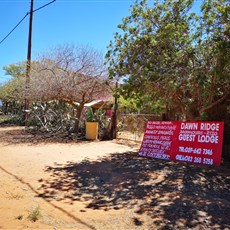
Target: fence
x=132 y=126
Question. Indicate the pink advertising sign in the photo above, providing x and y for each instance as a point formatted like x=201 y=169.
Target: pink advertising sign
x=194 y=142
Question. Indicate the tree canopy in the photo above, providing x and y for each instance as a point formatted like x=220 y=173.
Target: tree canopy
x=168 y=52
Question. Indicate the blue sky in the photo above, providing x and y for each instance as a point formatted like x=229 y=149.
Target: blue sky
x=87 y=22
x=90 y=22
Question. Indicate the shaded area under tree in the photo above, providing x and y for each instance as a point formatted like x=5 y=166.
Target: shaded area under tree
x=175 y=195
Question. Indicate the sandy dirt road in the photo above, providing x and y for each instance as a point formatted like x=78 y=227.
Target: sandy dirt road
x=104 y=185
x=22 y=171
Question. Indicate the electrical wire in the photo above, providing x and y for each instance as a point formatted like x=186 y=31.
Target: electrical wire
x=80 y=1
x=44 y=5
x=23 y=20
x=13 y=29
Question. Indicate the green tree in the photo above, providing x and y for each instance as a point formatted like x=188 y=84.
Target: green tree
x=213 y=50
x=12 y=95
x=13 y=92
x=16 y=70
x=162 y=52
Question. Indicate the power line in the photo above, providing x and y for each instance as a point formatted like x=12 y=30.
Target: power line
x=23 y=20
x=14 y=28
x=44 y=5
x=80 y=1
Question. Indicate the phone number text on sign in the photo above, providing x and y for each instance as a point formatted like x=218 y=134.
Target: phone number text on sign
x=195 y=142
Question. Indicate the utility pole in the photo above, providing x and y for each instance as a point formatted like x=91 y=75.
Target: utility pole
x=28 y=65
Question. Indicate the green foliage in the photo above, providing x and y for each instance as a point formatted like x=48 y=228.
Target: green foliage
x=11 y=119
x=35 y=214
x=169 y=54
x=130 y=105
x=89 y=115
x=16 y=70
x=142 y=104
x=12 y=93
x=13 y=90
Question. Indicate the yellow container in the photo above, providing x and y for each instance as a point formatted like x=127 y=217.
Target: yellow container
x=91 y=130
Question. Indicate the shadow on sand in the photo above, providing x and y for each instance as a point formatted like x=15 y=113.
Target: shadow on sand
x=175 y=195
x=10 y=134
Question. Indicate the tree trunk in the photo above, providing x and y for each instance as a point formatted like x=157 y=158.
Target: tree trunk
x=77 y=119
x=5 y=107
x=215 y=103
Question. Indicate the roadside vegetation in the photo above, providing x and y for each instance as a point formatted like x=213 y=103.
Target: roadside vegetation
x=168 y=60
x=35 y=214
